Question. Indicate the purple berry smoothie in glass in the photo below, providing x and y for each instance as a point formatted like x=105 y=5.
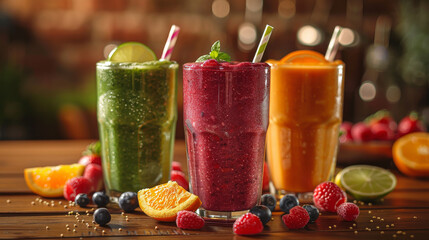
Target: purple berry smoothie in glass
x=226 y=119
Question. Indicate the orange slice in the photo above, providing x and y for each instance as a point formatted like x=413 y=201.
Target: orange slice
x=50 y=181
x=164 y=201
x=304 y=56
x=411 y=154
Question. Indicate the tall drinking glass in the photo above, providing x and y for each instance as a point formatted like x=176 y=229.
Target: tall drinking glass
x=137 y=113
x=305 y=114
x=226 y=119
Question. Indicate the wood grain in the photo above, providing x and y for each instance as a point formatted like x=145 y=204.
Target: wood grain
x=24 y=215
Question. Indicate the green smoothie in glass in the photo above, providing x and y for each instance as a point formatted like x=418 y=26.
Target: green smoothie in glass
x=137 y=113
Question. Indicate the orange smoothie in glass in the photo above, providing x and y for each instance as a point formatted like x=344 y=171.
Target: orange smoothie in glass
x=306 y=102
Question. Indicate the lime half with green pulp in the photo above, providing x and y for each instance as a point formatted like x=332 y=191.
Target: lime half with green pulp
x=132 y=52
x=367 y=183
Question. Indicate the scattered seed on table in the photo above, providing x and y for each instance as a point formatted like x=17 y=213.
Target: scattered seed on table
x=156 y=227
x=382 y=232
x=369 y=204
x=354 y=224
x=392 y=225
x=68 y=229
x=369 y=211
x=371 y=220
x=120 y=229
x=411 y=236
x=47 y=227
x=394 y=235
x=356 y=232
x=61 y=235
x=399 y=218
x=350 y=228
x=415 y=217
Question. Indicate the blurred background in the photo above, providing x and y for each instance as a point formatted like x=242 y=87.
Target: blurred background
x=48 y=51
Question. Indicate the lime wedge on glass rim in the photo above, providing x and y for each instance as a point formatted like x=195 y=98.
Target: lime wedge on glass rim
x=367 y=183
x=131 y=52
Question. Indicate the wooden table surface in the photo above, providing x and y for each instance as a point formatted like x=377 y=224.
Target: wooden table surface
x=404 y=213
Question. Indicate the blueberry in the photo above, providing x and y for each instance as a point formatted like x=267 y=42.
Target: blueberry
x=100 y=198
x=102 y=216
x=82 y=200
x=287 y=202
x=269 y=201
x=263 y=212
x=128 y=201
x=312 y=211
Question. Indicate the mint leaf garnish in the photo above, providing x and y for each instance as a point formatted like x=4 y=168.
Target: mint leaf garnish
x=216 y=46
x=204 y=58
x=215 y=54
x=224 y=57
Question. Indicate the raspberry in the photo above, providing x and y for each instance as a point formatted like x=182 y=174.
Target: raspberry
x=297 y=218
x=348 y=211
x=75 y=186
x=189 y=220
x=211 y=63
x=327 y=196
x=176 y=166
x=248 y=224
x=87 y=159
x=94 y=173
x=179 y=177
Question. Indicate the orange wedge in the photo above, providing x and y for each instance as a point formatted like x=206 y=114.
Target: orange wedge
x=164 y=201
x=50 y=181
x=411 y=154
x=304 y=56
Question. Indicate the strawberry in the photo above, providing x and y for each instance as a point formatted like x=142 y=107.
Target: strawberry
x=327 y=196
x=346 y=132
x=409 y=124
x=382 y=132
x=180 y=178
x=189 y=220
x=75 y=186
x=248 y=224
x=88 y=159
x=95 y=174
x=265 y=178
x=176 y=166
x=297 y=218
x=382 y=117
x=361 y=132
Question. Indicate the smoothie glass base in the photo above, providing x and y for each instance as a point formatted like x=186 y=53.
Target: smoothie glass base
x=215 y=216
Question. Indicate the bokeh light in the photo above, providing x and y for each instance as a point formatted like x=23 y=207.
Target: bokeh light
x=107 y=49
x=220 y=8
x=367 y=91
x=287 y=8
x=347 y=37
x=247 y=36
x=393 y=94
x=309 y=35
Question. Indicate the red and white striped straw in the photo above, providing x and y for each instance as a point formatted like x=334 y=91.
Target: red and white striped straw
x=171 y=41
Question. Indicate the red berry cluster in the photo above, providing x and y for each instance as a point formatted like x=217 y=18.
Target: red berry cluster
x=381 y=127
x=329 y=197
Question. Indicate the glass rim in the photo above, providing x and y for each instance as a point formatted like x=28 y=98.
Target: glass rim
x=130 y=65
x=234 y=65
x=338 y=64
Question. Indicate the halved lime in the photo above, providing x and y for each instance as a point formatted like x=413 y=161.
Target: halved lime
x=367 y=183
x=132 y=52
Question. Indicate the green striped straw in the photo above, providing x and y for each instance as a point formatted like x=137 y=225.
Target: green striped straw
x=263 y=43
